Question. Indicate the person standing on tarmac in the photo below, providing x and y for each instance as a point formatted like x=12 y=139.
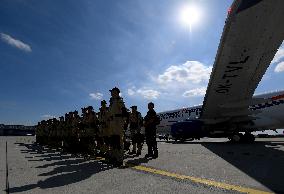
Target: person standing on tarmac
x=104 y=127
x=60 y=131
x=75 y=119
x=39 y=132
x=117 y=113
x=89 y=130
x=151 y=120
x=135 y=123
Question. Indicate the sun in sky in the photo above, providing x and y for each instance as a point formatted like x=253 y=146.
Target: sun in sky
x=190 y=16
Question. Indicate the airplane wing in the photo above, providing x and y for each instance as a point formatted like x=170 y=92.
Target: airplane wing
x=253 y=32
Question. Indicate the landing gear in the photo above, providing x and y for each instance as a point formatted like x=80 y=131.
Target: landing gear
x=248 y=138
x=236 y=138
x=239 y=137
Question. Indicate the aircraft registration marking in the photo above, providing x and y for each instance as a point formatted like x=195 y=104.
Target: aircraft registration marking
x=208 y=182
x=230 y=73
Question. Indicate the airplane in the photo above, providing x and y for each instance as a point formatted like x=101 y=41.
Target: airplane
x=253 y=32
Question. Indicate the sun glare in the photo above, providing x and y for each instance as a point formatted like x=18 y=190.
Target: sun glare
x=190 y=16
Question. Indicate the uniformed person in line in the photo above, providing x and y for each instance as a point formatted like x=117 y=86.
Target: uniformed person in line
x=135 y=124
x=90 y=130
x=71 y=141
x=75 y=120
x=151 y=120
x=126 y=141
x=45 y=132
x=117 y=113
x=60 y=131
x=66 y=132
x=39 y=132
x=50 y=132
x=103 y=117
x=83 y=141
x=56 y=139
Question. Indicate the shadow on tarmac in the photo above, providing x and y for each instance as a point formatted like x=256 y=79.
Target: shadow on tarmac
x=67 y=169
x=138 y=161
x=263 y=161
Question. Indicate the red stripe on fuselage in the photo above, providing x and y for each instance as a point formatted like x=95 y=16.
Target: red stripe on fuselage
x=277 y=97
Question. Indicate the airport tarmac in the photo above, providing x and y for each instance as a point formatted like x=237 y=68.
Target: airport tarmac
x=205 y=166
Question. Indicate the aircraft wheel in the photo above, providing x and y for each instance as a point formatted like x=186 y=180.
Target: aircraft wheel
x=236 y=137
x=248 y=138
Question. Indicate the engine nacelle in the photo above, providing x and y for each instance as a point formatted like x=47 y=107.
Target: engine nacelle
x=187 y=129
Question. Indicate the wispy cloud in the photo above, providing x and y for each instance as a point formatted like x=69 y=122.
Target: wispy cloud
x=279 y=55
x=131 y=91
x=279 y=67
x=96 y=96
x=195 y=92
x=47 y=116
x=15 y=43
x=148 y=93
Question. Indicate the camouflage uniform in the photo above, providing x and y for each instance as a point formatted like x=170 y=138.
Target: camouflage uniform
x=71 y=141
x=104 y=130
x=44 y=132
x=50 y=132
x=135 y=123
x=75 y=120
x=54 y=134
x=117 y=113
x=66 y=132
x=151 y=121
x=39 y=133
x=60 y=131
x=90 y=128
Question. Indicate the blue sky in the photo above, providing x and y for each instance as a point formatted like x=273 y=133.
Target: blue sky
x=59 y=56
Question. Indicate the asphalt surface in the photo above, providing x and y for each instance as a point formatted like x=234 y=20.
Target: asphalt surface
x=206 y=166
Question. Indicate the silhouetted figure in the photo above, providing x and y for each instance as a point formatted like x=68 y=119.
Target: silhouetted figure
x=151 y=120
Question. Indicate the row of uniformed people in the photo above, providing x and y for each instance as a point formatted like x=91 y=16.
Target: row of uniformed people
x=102 y=132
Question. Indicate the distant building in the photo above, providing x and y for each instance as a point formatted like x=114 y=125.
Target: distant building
x=16 y=130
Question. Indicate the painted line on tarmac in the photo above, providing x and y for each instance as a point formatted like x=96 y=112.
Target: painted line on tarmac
x=208 y=182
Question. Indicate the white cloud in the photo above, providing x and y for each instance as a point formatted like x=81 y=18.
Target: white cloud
x=15 y=43
x=130 y=92
x=96 y=96
x=48 y=116
x=172 y=84
x=195 y=92
x=279 y=67
x=148 y=93
x=279 y=55
x=145 y=92
x=190 y=71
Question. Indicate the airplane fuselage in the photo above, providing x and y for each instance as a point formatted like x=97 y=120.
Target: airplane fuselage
x=267 y=115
